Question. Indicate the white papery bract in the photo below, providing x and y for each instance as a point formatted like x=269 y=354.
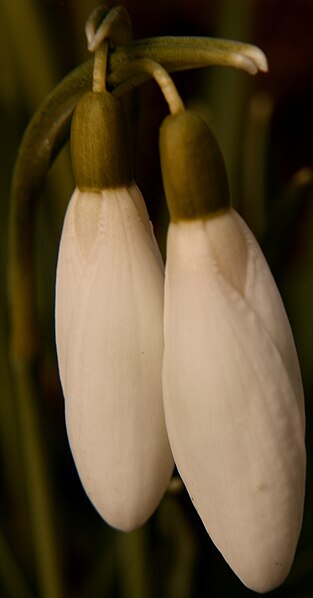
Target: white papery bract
x=109 y=335
x=233 y=396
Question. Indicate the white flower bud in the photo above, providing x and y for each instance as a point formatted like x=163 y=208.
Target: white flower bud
x=233 y=396
x=109 y=310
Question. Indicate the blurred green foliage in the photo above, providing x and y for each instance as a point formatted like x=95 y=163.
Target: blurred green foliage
x=265 y=129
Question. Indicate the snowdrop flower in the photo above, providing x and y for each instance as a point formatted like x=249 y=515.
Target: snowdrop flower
x=232 y=388
x=109 y=324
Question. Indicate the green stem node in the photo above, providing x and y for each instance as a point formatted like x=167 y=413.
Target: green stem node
x=193 y=168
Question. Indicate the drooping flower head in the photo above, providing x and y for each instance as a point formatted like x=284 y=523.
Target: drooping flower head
x=231 y=381
x=109 y=324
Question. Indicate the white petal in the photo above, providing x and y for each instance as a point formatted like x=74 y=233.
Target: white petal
x=263 y=297
x=232 y=415
x=112 y=368
x=69 y=269
x=79 y=234
x=240 y=260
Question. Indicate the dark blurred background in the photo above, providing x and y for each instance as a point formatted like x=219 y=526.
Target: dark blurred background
x=265 y=128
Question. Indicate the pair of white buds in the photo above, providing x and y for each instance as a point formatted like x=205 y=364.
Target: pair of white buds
x=228 y=407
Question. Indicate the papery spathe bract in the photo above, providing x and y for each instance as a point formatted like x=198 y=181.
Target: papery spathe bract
x=109 y=332
x=233 y=396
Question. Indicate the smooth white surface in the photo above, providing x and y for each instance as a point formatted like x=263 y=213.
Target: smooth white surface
x=109 y=334
x=233 y=396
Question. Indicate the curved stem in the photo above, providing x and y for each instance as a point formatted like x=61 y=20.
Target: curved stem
x=100 y=67
x=161 y=76
x=114 y=24
x=182 y=53
x=102 y=27
x=44 y=137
